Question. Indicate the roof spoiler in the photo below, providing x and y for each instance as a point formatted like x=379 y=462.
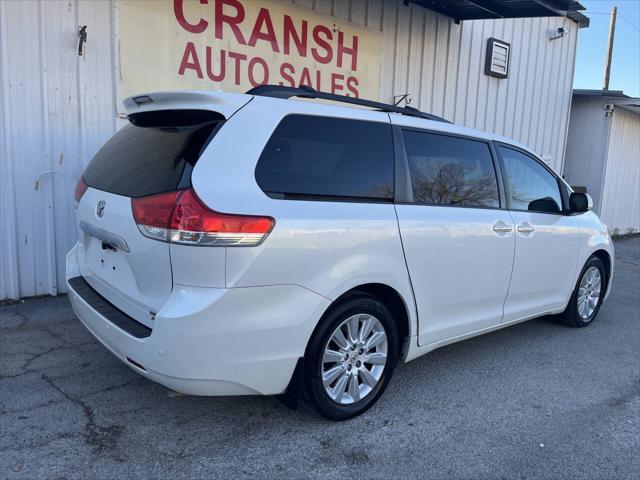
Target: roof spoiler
x=223 y=103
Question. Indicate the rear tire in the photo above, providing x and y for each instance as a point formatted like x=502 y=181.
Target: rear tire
x=351 y=357
x=587 y=297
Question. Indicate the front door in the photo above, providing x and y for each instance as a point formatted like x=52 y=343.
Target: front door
x=547 y=240
x=458 y=243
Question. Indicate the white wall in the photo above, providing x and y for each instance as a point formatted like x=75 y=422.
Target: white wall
x=603 y=154
x=621 y=193
x=439 y=63
x=37 y=56
x=587 y=141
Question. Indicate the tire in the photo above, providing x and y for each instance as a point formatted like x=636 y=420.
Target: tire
x=347 y=401
x=581 y=314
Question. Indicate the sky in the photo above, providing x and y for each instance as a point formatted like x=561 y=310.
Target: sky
x=592 y=47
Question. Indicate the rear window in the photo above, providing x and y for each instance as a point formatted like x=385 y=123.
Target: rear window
x=323 y=158
x=155 y=153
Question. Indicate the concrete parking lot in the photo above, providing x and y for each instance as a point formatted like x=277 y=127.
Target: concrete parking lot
x=537 y=400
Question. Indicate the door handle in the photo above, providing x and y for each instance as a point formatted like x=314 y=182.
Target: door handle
x=525 y=228
x=501 y=227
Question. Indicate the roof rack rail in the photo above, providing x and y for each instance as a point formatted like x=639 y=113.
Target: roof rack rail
x=280 y=91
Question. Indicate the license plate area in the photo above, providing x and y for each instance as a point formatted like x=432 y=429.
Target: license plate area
x=131 y=271
x=109 y=240
x=106 y=262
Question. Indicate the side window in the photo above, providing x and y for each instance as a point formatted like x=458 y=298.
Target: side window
x=333 y=157
x=450 y=171
x=532 y=187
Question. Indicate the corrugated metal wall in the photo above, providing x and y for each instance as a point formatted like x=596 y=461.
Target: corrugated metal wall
x=621 y=193
x=603 y=154
x=440 y=64
x=38 y=74
x=589 y=130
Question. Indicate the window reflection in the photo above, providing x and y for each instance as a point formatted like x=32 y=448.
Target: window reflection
x=532 y=187
x=451 y=171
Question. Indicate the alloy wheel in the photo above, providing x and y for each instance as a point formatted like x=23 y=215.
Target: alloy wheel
x=354 y=359
x=589 y=292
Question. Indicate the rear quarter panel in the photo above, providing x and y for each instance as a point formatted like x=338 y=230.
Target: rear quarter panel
x=326 y=247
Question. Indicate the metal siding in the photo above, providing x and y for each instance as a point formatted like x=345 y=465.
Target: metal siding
x=389 y=41
x=30 y=222
x=565 y=100
x=439 y=63
x=324 y=6
x=416 y=51
x=423 y=96
x=59 y=24
x=621 y=191
x=342 y=9
x=43 y=131
x=358 y=10
x=587 y=146
x=517 y=67
x=9 y=287
x=375 y=14
x=401 y=58
x=452 y=71
x=502 y=105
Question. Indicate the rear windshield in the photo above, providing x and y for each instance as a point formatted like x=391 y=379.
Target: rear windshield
x=155 y=153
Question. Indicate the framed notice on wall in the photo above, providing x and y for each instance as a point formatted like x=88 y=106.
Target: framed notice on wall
x=234 y=45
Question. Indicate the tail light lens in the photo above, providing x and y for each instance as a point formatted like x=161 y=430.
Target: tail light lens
x=180 y=217
x=81 y=187
x=153 y=214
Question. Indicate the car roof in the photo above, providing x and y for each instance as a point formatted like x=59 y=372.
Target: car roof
x=228 y=103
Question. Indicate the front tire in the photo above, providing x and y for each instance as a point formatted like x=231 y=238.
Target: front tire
x=587 y=296
x=351 y=357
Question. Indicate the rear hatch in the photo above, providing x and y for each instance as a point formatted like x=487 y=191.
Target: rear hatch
x=152 y=155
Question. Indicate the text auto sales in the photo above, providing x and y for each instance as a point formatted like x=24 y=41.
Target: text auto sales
x=324 y=45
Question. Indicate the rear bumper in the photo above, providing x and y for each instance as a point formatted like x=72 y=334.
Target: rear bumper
x=213 y=341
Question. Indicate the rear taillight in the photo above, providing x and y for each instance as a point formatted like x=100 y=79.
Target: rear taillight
x=81 y=187
x=180 y=217
x=153 y=214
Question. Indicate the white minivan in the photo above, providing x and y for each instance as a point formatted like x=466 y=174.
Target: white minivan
x=266 y=243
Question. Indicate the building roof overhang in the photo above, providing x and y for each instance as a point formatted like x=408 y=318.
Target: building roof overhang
x=614 y=97
x=492 y=9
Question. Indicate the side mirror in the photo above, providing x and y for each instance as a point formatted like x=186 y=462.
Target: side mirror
x=580 y=202
x=545 y=205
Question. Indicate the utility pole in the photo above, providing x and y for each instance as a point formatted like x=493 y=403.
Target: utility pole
x=607 y=61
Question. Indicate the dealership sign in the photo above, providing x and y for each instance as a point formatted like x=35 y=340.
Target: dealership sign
x=234 y=45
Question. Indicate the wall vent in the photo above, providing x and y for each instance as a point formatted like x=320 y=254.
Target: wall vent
x=497 y=61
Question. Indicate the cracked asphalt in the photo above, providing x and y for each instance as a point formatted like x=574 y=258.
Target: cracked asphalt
x=537 y=400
